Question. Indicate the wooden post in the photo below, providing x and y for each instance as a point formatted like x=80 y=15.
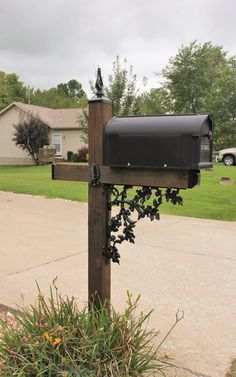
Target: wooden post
x=99 y=274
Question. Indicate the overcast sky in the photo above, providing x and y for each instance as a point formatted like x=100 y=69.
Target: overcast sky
x=53 y=41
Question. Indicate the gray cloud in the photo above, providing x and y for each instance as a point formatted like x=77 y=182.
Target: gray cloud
x=51 y=42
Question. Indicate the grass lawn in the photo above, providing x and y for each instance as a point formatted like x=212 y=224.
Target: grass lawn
x=210 y=200
x=36 y=180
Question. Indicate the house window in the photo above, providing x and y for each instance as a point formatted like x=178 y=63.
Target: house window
x=56 y=141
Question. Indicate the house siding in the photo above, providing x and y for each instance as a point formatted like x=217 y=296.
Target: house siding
x=10 y=154
x=71 y=140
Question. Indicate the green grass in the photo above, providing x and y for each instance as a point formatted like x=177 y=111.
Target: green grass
x=210 y=200
x=36 y=180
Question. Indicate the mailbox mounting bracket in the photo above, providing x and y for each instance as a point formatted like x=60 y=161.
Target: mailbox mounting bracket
x=145 y=203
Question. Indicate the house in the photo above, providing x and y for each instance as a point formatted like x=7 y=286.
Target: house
x=65 y=133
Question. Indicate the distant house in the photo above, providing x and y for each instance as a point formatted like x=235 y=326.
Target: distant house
x=65 y=133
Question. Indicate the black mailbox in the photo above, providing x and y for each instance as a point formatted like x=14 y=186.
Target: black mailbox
x=164 y=142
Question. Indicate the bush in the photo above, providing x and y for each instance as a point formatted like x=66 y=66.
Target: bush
x=30 y=135
x=74 y=157
x=83 y=154
x=69 y=155
x=55 y=338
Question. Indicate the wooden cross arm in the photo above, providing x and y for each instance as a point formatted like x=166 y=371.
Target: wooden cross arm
x=124 y=176
x=70 y=172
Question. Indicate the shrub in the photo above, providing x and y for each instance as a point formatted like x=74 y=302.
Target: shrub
x=69 y=155
x=55 y=338
x=30 y=135
x=74 y=157
x=83 y=154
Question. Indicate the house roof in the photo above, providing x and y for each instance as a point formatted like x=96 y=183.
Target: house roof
x=54 y=118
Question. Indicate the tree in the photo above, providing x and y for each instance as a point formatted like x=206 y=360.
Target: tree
x=83 y=124
x=202 y=78
x=69 y=95
x=11 y=89
x=72 y=89
x=222 y=102
x=156 y=101
x=52 y=99
x=121 y=90
x=191 y=74
x=30 y=135
x=59 y=98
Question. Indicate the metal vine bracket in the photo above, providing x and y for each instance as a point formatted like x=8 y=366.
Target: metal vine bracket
x=145 y=203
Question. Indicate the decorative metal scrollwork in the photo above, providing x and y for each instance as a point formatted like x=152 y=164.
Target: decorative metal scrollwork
x=145 y=203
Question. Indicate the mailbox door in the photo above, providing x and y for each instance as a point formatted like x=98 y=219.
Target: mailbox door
x=206 y=143
x=144 y=151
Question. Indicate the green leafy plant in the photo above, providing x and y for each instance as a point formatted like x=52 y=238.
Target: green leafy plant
x=74 y=157
x=54 y=337
x=69 y=154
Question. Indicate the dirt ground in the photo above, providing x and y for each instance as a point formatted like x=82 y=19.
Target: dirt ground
x=177 y=263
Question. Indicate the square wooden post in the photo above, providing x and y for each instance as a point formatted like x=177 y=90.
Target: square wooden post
x=99 y=274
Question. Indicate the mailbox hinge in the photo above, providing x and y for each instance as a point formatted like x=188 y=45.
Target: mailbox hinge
x=95 y=176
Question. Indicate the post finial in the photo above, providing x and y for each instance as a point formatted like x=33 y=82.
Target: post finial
x=99 y=84
x=99 y=94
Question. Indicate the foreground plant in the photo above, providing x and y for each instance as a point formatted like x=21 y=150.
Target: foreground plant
x=55 y=338
x=232 y=371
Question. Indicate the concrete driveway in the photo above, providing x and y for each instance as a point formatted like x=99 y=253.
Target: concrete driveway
x=176 y=263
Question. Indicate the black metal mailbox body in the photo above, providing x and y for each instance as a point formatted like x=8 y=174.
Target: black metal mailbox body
x=166 y=141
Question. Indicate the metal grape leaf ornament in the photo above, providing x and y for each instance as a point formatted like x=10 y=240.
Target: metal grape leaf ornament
x=145 y=203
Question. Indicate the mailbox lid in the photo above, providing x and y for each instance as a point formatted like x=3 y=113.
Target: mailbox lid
x=163 y=141
x=161 y=124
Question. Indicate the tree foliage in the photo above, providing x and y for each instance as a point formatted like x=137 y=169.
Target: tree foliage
x=72 y=89
x=11 y=89
x=222 y=102
x=83 y=124
x=191 y=74
x=52 y=99
x=202 y=78
x=155 y=101
x=121 y=90
x=30 y=135
x=65 y=95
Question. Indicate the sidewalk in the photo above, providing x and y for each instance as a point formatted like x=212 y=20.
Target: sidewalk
x=176 y=263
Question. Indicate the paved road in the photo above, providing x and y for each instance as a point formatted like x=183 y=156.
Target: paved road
x=177 y=263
